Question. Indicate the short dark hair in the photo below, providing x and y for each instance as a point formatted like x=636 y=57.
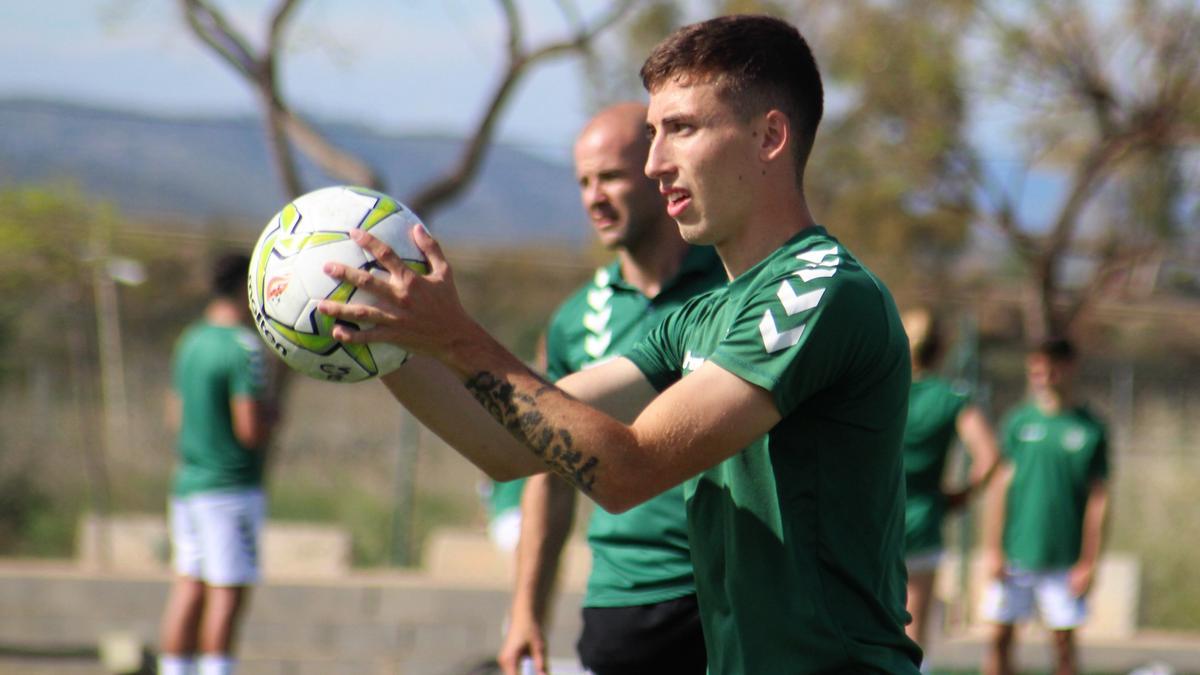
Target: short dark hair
x=1056 y=348
x=229 y=272
x=757 y=62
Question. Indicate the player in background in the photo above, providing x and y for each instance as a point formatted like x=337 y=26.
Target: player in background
x=780 y=398
x=639 y=613
x=218 y=405
x=503 y=502
x=937 y=414
x=1046 y=512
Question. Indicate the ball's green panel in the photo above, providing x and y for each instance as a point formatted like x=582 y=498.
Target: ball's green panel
x=289 y=245
x=289 y=217
x=264 y=256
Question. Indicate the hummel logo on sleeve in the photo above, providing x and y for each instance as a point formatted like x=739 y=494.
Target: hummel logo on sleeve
x=597 y=322
x=822 y=262
x=599 y=337
x=819 y=263
x=598 y=297
x=596 y=345
x=773 y=340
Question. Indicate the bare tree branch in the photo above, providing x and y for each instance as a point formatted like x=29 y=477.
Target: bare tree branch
x=1058 y=50
x=284 y=127
x=430 y=197
x=211 y=27
x=1116 y=258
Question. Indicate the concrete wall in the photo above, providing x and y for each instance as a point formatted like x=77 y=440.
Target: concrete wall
x=313 y=614
x=365 y=623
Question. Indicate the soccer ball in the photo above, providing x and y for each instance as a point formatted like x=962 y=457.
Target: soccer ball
x=286 y=280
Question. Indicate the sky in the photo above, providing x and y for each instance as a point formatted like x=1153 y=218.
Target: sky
x=396 y=65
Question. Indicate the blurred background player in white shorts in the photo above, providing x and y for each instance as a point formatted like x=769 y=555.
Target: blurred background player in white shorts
x=218 y=404
x=1046 y=511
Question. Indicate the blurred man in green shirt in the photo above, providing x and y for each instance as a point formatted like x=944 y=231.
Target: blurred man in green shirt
x=218 y=405
x=1045 y=522
x=938 y=414
x=640 y=613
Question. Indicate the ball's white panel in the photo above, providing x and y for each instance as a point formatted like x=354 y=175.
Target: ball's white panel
x=310 y=265
x=388 y=356
x=395 y=230
x=332 y=208
x=306 y=320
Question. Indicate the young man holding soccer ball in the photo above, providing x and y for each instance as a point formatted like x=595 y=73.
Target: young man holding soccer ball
x=779 y=399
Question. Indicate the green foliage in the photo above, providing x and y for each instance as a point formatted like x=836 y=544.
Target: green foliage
x=887 y=173
x=33 y=521
x=1156 y=514
x=365 y=516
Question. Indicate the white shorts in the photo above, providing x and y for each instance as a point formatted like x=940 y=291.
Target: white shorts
x=505 y=530
x=927 y=561
x=214 y=535
x=1013 y=599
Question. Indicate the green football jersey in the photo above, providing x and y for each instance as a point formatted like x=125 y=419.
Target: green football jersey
x=213 y=365
x=641 y=556
x=933 y=408
x=797 y=540
x=1055 y=459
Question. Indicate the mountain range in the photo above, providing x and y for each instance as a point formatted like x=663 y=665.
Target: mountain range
x=197 y=170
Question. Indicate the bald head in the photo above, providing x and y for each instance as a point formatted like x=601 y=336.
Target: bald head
x=623 y=205
x=622 y=125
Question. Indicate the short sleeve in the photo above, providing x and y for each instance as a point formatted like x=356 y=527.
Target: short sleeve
x=800 y=329
x=657 y=354
x=960 y=394
x=247 y=373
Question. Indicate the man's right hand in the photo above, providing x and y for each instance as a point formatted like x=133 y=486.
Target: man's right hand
x=524 y=640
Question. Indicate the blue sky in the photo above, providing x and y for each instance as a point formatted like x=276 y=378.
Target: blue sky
x=397 y=65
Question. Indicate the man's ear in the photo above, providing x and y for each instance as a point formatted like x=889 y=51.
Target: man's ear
x=776 y=135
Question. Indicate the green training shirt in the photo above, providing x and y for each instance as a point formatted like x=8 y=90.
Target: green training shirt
x=1055 y=459
x=211 y=366
x=933 y=408
x=641 y=556
x=797 y=540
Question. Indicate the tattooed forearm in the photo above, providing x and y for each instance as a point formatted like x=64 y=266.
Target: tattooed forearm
x=518 y=412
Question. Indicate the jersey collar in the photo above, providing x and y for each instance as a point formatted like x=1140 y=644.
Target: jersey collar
x=698 y=260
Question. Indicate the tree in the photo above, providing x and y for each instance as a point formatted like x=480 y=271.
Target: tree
x=287 y=129
x=1106 y=98
x=1109 y=100
x=887 y=171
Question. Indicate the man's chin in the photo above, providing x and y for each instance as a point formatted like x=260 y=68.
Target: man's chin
x=610 y=239
x=693 y=232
